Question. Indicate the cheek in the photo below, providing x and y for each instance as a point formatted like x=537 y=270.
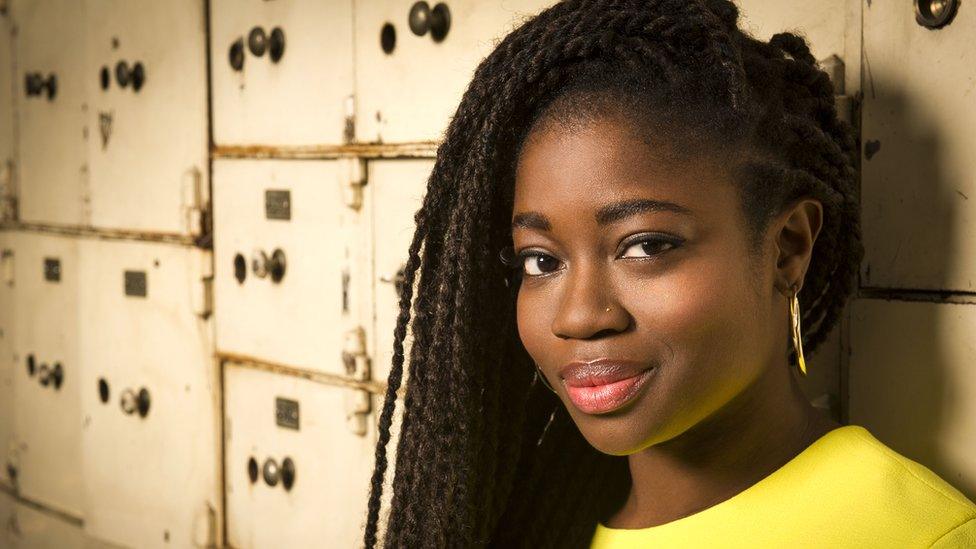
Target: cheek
x=705 y=315
x=533 y=328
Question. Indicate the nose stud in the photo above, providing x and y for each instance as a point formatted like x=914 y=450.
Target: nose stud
x=608 y=309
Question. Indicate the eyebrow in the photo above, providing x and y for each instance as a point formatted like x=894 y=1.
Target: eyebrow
x=610 y=213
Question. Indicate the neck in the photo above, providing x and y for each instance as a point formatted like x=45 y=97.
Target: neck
x=759 y=431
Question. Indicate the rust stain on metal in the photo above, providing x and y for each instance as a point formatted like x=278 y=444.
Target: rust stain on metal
x=420 y=149
x=334 y=380
x=101 y=234
x=105 y=127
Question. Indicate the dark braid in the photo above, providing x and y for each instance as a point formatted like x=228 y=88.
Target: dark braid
x=487 y=456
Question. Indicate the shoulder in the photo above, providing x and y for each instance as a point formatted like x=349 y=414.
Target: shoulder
x=903 y=493
x=963 y=535
x=900 y=476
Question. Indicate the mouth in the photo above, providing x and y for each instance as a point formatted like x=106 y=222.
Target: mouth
x=604 y=385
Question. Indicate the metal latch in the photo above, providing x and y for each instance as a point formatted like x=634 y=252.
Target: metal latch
x=8 y=195
x=195 y=201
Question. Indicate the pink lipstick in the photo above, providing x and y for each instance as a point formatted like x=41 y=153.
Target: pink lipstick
x=603 y=385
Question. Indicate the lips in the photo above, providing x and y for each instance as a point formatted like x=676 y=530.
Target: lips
x=602 y=371
x=604 y=385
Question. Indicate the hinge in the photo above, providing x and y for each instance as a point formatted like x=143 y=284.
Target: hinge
x=352 y=174
x=357 y=364
x=195 y=201
x=8 y=195
x=205 y=527
x=7 y=267
x=203 y=294
x=836 y=70
x=845 y=108
x=349 y=132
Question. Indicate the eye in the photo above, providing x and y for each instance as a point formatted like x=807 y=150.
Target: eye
x=649 y=247
x=538 y=264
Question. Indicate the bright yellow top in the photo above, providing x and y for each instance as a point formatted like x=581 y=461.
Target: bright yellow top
x=847 y=489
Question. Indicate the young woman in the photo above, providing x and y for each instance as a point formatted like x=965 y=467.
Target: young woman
x=609 y=322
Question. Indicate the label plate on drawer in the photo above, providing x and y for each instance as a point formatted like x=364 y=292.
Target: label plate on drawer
x=277 y=204
x=135 y=283
x=286 y=413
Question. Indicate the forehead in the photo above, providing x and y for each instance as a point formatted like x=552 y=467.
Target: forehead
x=570 y=170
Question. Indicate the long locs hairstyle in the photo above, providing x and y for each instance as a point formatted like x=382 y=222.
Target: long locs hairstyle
x=487 y=455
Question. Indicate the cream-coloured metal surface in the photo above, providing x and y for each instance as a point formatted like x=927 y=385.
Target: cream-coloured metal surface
x=299 y=100
x=299 y=320
x=51 y=40
x=410 y=94
x=6 y=514
x=47 y=413
x=149 y=481
x=7 y=144
x=822 y=23
x=147 y=148
x=157 y=481
x=831 y=27
x=327 y=502
x=918 y=143
x=912 y=382
x=396 y=189
x=822 y=384
x=7 y=359
x=24 y=527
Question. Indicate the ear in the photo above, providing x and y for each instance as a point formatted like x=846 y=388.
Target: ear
x=796 y=231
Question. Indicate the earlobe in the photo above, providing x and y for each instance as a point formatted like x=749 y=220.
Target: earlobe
x=797 y=229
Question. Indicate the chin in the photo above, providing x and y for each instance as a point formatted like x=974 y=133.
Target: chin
x=618 y=433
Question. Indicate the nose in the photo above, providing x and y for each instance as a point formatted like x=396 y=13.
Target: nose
x=585 y=295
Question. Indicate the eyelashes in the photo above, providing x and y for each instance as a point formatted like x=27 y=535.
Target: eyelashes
x=651 y=246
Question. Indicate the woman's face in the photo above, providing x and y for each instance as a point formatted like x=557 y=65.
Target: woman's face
x=602 y=220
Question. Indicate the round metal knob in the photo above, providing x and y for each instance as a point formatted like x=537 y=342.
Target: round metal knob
x=398 y=280
x=276 y=46
x=122 y=73
x=127 y=401
x=142 y=402
x=419 y=18
x=388 y=38
x=271 y=472
x=287 y=473
x=934 y=14
x=252 y=469
x=240 y=268
x=440 y=21
x=44 y=374
x=257 y=41
x=33 y=83
x=138 y=76
x=259 y=263
x=277 y=266
x=103 y=392
x=57 y=375
x=51 y=85
x=236 y=55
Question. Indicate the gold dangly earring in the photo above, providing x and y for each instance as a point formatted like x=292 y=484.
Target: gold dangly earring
x=797 y=333
x=542 y=378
